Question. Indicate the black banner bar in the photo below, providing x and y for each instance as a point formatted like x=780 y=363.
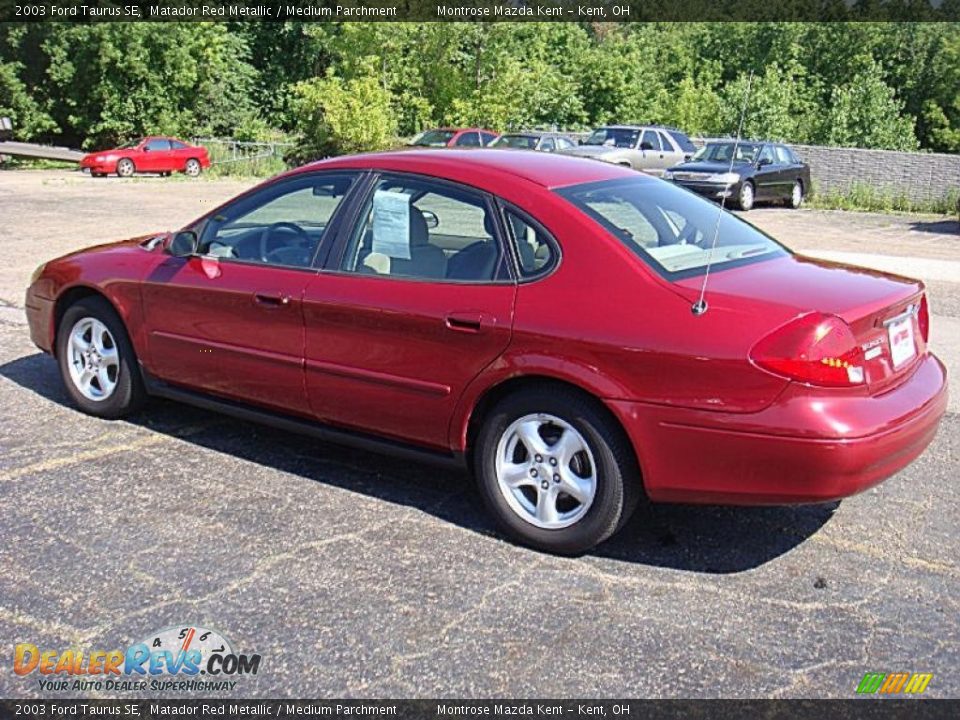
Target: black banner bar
x=862 y=709
x=477 y=10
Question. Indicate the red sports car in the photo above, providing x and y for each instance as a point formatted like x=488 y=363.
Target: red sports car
x=162 y=155
x=455 y=137
x=530 y=316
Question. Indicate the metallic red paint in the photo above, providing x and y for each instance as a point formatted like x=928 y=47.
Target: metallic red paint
x=413 y=360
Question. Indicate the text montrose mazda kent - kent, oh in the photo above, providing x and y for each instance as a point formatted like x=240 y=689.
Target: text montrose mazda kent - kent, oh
x=527 y=315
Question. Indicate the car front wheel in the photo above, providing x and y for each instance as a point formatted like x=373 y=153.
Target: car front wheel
x=97 y=361
x=125 y=167
x=556 y=470
x=746 y=197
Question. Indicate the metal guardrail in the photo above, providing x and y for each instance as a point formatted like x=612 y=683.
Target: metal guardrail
x=224 y=151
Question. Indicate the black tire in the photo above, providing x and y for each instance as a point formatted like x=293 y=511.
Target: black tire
x=125 y=167
x=129 y=394
x=747 y=196
x=618 y=484
x=797 y=195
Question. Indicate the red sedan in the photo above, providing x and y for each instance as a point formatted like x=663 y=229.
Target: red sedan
x=529 y=316
x=162 y=155
x=455 y=137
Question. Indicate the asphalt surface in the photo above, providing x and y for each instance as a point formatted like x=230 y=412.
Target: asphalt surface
x=361 y=576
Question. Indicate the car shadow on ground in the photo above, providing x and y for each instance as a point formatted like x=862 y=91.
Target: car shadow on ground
x=937 y=227
x=706 y=539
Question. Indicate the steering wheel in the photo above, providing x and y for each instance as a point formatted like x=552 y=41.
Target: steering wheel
x=265 y=251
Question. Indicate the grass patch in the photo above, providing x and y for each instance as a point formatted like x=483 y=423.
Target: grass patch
x=868 y=198
x=16 y=163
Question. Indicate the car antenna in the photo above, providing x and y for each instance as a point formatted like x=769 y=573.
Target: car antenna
x=700 y=306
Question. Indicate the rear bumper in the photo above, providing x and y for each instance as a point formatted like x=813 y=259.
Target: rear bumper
x=804 y=448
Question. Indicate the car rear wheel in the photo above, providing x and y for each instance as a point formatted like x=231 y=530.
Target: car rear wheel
x=97 y=362
x=796 y=195
x=747 y=196
x=125 y=167
x=556 y=470
x=192 y=167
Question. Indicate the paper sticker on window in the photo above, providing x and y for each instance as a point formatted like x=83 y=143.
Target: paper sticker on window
x=391 y=224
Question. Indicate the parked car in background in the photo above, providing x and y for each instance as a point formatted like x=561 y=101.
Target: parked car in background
x=534 y=140
x=6 y=129
x=455 y=137
x=650 y=149
x=758 y=171
x=433 y=304
x=163 y=155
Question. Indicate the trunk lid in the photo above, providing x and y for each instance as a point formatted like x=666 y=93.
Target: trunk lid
x=886 y=312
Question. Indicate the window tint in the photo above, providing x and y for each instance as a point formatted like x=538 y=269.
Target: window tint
x=670 y=229
x=535 y=252
x=281 y=225
x=469 y=139
x=488 y=138
x=419 y=229
x=682 y=141
x=155 y=145
x=783 y=155
x=177 y=145
x=766 y=154
x=649 y=136
x=547 y=145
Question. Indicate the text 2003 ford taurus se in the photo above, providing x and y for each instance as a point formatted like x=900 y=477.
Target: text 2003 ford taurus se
x=527 y=314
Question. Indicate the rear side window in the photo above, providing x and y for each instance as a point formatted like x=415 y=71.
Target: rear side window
x=682 y=141
x=536 y=250
x=488 y=138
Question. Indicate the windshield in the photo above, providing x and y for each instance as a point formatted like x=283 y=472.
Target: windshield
x=433 y=138
x=721 y=152
x=524 y=142
x=613 y=137
x=669 y=228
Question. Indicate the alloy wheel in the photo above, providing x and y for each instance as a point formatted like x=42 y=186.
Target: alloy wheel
x=93 y=359
x=192 y=168
x=546 y=471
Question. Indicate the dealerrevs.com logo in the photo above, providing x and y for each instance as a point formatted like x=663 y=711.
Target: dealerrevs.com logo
x=179 y=658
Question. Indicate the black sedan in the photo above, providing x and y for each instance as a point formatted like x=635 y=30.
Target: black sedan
x=744 y=172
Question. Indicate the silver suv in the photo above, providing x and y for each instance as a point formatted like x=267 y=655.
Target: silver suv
x=648 y=148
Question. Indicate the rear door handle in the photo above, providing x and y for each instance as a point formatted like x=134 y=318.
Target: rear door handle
x=271 y=299
x=468 y=322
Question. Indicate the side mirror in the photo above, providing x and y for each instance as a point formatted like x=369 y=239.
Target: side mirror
x=183 y=244
x=764 y=161
x=431 y=218
x=646 y=146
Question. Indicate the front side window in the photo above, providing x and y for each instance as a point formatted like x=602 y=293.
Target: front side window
x=547 y=145
x=157 y=145
x=563 y=143
x=280 y=225
x=650 y=141
x=421 y=229
x=520 y=142
x=469 y=139
x=487 y=138
x=766 y=155
x=671 y=229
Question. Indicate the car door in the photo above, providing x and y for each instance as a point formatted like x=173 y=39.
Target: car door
x=788 y=171
x=229 y=321
x=414 y=304
x=767 y=176
x=156 y=156
x=672 y=154
x=652 y=153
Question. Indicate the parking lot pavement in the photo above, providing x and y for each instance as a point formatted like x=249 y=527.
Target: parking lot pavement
x=356 y=575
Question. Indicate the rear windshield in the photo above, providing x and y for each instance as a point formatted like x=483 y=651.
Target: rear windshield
x=433 y=138
x=670 y=228
x=524 y=142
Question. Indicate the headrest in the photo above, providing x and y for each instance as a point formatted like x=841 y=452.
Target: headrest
x=419 y=234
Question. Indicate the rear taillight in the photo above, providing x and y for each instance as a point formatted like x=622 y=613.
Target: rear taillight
x=817 y=349
x=923 y=320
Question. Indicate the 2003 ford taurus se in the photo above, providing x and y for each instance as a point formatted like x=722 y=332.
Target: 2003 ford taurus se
x=533 y=317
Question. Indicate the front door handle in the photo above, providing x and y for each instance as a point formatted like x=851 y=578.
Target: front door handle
x=468 y=322
x=271 y=299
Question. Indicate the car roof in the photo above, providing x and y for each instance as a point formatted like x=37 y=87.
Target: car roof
x=486 y=167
